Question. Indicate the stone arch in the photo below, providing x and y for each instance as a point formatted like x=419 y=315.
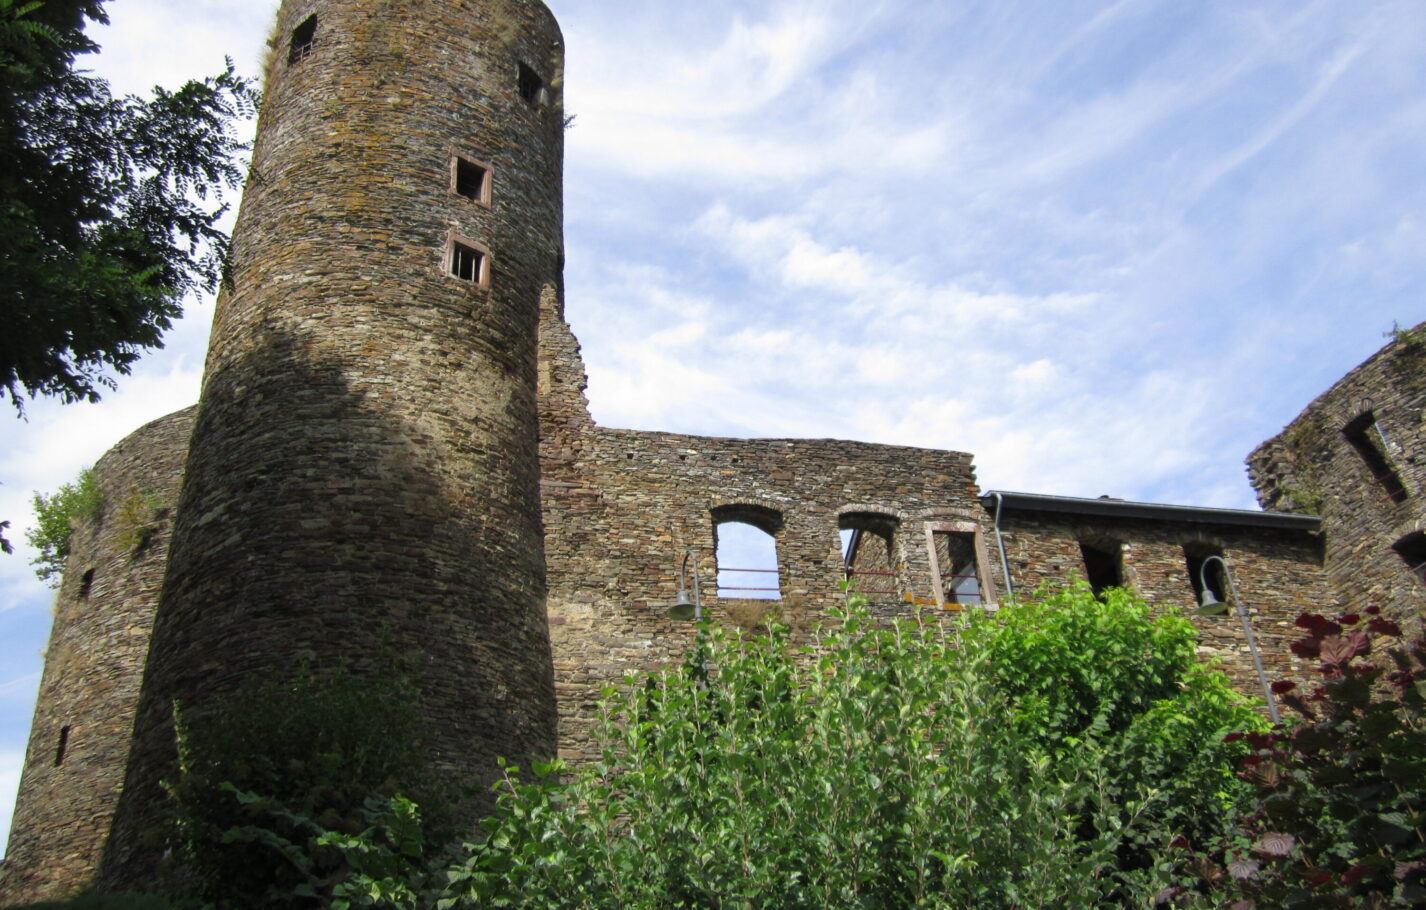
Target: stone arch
x=749 y=565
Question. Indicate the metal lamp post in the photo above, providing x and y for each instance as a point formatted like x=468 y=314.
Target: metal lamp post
x=1212 y=606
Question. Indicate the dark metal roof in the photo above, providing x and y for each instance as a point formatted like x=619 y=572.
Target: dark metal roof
x=1118 y=508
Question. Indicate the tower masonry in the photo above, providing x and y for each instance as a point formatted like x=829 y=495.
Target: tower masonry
x=362 y=475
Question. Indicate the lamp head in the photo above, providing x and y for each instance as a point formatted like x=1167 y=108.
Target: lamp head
x=1211 y=605
x=682 y=608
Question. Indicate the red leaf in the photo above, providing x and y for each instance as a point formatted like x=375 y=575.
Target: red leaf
x=1354 y=874
x=1372 y=611
x=1384 y=627
x=1318 y=880
x=1350 y=619
x=1339 y=649
x=1275 y=845
x=1318 y=625
x=1244 y=868
x=1307 y=648
x=1282 y=686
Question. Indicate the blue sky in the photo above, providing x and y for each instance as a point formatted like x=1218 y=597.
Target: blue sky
x=1107 y=247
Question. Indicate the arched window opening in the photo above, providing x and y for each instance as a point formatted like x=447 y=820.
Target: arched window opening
x=869 y=555
x=1195 y=557
x=1103 y=566
x=747 y=553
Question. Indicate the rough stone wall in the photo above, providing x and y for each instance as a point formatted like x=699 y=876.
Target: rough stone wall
x=622 y=507
x=1312 y=466
x=1277 y=572
x=363 y=472
x=93 y=666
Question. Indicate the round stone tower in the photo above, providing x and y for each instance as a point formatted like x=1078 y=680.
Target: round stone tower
x=363 y=473
x=84 y=717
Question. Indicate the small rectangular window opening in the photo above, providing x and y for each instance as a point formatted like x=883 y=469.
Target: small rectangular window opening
x=959 y=576
x=532 y=87
x=470 y=179
x=1412 y=550
x=304 y=39
x=1102 y=567
x=62 y=746
x=469 y=263
x=86 y=581
x=1366 y=437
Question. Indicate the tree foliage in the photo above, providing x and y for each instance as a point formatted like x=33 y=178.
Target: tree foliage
x=108 y=206
x=1337 y=820
x=55 y=517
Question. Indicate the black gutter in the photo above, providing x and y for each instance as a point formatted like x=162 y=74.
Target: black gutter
x=1118 y=508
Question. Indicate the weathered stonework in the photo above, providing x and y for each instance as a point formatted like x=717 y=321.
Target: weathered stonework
x=388 y=455
x=1357 y=457
x=84 y=719
x=363 y=473
x=1275 y=570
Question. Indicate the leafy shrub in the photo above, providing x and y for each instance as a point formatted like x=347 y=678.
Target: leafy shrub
x=907 y=765
x=319 y=745
x=55 y=516
x=1076 y=669
x=897 y=766
x=1337 y=820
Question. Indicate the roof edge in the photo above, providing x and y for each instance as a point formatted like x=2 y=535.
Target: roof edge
x=1118 y=508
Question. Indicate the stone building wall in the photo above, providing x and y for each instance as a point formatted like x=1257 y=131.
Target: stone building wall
x=84 y=716
x=363 y=475
x=1357 y=457
x=1277 y=573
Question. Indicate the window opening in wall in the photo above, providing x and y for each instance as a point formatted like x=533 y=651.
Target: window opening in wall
x=469 y=262
x=1194 y=559
x=747 y=560
x=304 y=39
x=1366 y=437
x=1103 y=567
x=1412 y=550
x=869 y=554
x=471 y=179
x=62 y=746
x=532 y=87
x=86 y=581
x=959 y=573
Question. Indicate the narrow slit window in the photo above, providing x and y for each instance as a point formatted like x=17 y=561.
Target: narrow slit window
x=62 y=746
x=1367 y=438
x=304 y=39
x=86 y=582
x=532 y=87
x=471 y=179
x=1412 y=550
x=469 y=262
x=1103 y=567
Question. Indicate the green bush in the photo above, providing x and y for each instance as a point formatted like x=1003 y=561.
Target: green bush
x=1076 y=669
x=908 y=766
x=55 y=516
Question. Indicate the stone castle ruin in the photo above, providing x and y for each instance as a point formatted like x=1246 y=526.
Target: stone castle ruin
x=393 y=446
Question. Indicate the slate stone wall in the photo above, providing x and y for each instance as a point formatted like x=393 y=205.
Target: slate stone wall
x=1278 y=574
x=1314 y=466
x=622 y=507
x=363 y=472
x=104 y=611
